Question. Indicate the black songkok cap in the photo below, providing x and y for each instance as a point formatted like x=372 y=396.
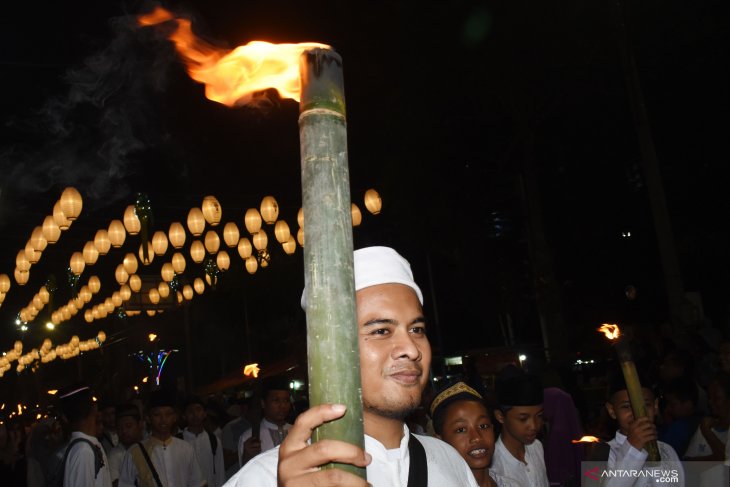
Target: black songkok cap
x=160 y=398
x=127 y=410
x=517 y=388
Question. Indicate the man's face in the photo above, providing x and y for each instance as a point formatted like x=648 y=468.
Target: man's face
x=162 y=421
x=195 y=415
x=276 y=406
x=129 y=430
x=108 y=418
x=522 y=423
x=619 y=408
x=395 y=354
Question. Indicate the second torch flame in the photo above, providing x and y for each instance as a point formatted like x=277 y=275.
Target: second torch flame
x=233 y=77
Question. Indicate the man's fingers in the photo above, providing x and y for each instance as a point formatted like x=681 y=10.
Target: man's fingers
x=306 y=422
x=328 y=478
x=326 y=451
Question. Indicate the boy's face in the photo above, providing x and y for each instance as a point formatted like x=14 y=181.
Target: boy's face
x=522 y=423
x=195 y=415
x=162 y=421
x=468 y=429
x=619 y=408
x=129 y=429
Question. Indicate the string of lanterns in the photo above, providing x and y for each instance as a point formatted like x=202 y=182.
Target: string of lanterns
x=47 y=353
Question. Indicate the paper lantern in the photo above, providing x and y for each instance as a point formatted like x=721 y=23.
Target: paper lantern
x=109 y=305
x=65 y=313
x=176 y=234
x=21 y=261
x=178 y=263
x=231 y=234
x=90 y=253
x=51 y=232
x=88 y=316
x=159 y=243
x=244 y=248
x=131 y=222
x=187 y=292
x=85 y=294
x=212 y=211
x=101 y=336
x=154 y=295
x=116 y=233
x=196 y=221
x=199 y=285
x=300 y=237
x=71 y=203
x=197 y=251
x=121 y=274
x=102 y=242
x=373 y=202
x=37 y=303
x=212 y=242
x=163 y=289
x=269 y=209
x=150 y=254
x=117 y=299
x=151 y=312
x=37 y=239
x=94 y=284
x=135 y=283
x=130 y=264
x=251 y=265
x=356 y=215
x=4 y=283
x=223 y=260
x=125 y=292
x=167 y=272
x=281 y=231
x=72 y=308
x=77 y=263
x=179 y=297
x=290 y=246
x=260 y=240
x=300 y=217
x=31 y=253
x=44 y=295
x=252 y=220
x=78 y=302
x=60 y=219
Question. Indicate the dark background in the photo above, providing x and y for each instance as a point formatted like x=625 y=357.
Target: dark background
x=465 y=116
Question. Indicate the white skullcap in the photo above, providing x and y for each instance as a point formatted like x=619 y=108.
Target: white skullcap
x=380 y=265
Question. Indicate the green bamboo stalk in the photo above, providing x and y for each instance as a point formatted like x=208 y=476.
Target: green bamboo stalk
x=332 y=339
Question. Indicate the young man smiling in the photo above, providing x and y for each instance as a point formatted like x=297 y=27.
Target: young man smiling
x=395 y=357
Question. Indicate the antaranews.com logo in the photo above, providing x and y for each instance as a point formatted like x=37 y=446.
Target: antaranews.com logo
x=658 y=475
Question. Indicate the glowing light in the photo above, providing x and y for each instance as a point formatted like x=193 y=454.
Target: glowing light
x=50 y=325
x=144 y=379
x=152 y=337
x=53 y=392
x=586 y=439
x=612 y=332
x=251 y=370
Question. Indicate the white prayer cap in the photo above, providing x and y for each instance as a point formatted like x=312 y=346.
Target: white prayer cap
x=380 y=265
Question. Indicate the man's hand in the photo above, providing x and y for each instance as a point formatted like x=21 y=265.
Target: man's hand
x=251 y=448
x=641 y=432
x=299 y=461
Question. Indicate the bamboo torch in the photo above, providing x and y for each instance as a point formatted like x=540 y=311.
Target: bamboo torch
x=631 y=377
x=332 y=339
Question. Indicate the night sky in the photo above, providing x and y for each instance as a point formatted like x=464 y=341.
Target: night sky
x=473 y=120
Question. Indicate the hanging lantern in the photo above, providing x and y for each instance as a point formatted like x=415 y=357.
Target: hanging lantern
x=300 y=217
x=94 y=284
x=90 y=253
x=37 y=239
x=116 y=299
x=179 y=296
x=176 y=234
x=300 y=237
x=151 y=312
x=197 y=251
x=150 y=253
x=244 y=248
x=356 y=215
x=167 y=272
x=290 y=246
x=281 y=231
x=231 y=234
x=199 y=285
x=44 y=295
x=65 y=313
x=51 y=232
x=131 y=222
x=260 y=240
x=77 y=263
x=117 y=234
x=31 y=253
x=212 y=211
x=125 y=292
x=196 y=221
x=154 y=295
x=101 y=336
x=159 y=243
x=187 y=292
x=102 y=242
x=109 y=305
x=178 y=263
x=252 y=220
x=130 y=263
x=37 y=303
x=71 y=203
x=85 y=293
x=60 y=219
x=135 y=283
x=72 y=308
x=269 y=209
x=373 y=202
x=88 y=316
x=21 y=261
x=4 y=283
x=164 y=289
x=121 y=274
x=95 y=312
x=251 y=265
x=223 y=260
x=212 y=242
x=78 y=302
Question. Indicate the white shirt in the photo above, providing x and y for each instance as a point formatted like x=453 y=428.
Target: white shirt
x=211 y=467
x=116 y=455
x=389 y=468
x=81 y=465
x=514 y=473
x=266 y=435
x=174 y=460
x=109 y=439
x=623 y=456
x=698 y=445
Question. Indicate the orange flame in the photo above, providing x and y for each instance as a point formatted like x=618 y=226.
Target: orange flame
x=586 y=439
x=251 y=370
x=611 y=331
x=233 y=77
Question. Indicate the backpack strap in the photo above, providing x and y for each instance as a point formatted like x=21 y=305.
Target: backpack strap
x=98 y=459
x=418 y=465
x=213 y=442
x=149 y=463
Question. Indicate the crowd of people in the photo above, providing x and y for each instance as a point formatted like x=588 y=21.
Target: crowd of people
x=513 y=429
